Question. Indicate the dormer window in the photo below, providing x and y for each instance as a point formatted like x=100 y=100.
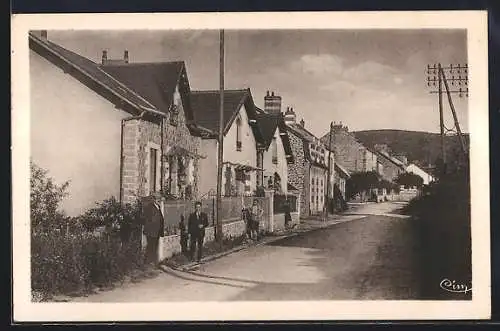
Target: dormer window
x=238 y=134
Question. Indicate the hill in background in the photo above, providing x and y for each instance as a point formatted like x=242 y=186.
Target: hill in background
x=422 y=148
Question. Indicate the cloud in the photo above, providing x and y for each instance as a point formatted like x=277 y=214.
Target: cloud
x=318 y=65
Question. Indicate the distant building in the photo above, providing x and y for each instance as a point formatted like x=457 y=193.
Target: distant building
x=414 y=169
x=309 y=172
x=242 y=137
x=349 y=152
x=392 y=166
x=341 y=177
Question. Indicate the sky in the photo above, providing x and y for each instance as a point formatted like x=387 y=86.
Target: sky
x=366 y=79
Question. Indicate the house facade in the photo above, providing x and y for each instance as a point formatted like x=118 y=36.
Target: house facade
x=341 y=177
x=349 y=152
x=112 y=128
x=309 y=172
x=392 y=166
x=242 y=139
x=275 y=154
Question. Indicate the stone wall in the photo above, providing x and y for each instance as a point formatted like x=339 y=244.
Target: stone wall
x=138 y=134
x=298 y=172
x=279 y=220
x=391 y=170
x=350 y=153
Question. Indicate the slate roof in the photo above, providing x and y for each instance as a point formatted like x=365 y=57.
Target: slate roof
x=395 y=161
x=301 y=132
x=268 y=124
x=206 y=108
x=155 y=82
x=340 y=168
x=144 y=86
x=88 y=68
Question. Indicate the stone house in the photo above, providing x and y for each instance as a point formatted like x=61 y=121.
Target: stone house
x=113 y=128
x=341 y=177
x=392 y=166
x=309 y=172
x=349 y=152
x=242 y=140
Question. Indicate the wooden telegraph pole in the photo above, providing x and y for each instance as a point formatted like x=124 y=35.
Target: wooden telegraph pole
x=218 y=228
x=459 y=78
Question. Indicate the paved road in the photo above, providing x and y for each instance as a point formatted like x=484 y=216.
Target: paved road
x=365 y=257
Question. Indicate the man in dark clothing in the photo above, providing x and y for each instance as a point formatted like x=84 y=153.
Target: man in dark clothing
x=197 y=223
x=154 y=224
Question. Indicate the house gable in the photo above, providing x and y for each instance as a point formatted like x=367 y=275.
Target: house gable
x=89 y=74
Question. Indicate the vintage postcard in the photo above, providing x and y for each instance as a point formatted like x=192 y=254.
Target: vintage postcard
x=250 y=166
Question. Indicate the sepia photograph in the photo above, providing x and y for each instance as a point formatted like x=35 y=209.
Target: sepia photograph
x=242 y=165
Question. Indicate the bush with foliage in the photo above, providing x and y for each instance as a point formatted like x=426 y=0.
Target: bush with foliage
x=45 y=198
x=360 y=182
x=117 y=219
x=443 y=223
x=63 y=264
x=67 y=261
x=408 y=179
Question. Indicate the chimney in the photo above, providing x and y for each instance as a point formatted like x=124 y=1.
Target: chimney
x=290 y=117
x=302 y=123
x=125 y=56
x=272 y=103
x=43 y=34
x=104 y=56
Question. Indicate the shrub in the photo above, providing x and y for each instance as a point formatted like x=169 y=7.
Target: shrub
x=45 y=198
x=409 y=180
x=443 y=222
x=70 y=261
x=117 y=219
x=63 y=264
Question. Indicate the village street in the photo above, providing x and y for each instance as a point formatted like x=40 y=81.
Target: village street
x=368 y=253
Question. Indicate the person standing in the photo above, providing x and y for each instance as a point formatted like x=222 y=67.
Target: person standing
x=154 y=225
x=256 y=215
x=197 y=223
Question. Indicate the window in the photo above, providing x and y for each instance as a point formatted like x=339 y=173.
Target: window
x=238 y=134
x=153 y=168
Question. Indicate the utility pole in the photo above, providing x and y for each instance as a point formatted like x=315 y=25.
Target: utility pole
x=328 y=189
x=218 y=228
x=441 y=118
x=459 y=78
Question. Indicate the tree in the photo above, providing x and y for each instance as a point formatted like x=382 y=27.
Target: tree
x=45 y=198
x=408 y=179
x=360 y=182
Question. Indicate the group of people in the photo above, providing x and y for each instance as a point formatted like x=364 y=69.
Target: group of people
x=194 y=232
x=154 y=224
x=253 y=219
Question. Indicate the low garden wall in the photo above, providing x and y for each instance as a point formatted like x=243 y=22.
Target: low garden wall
x=279 y=220
x=171 y=245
